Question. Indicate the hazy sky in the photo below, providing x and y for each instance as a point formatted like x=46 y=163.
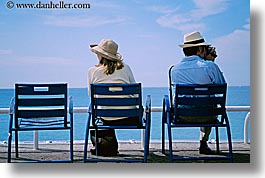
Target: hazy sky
x=52 y=45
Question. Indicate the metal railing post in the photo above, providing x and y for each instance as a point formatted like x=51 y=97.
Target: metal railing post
x=246 y=123
x=36 y=140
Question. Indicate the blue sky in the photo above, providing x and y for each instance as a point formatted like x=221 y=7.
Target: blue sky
x=51 y=45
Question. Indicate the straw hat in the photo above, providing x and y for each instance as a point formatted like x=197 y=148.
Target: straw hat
x=193 y=39
x=107 y=48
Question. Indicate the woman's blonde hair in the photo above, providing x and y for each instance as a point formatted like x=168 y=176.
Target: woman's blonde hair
x=110 y=66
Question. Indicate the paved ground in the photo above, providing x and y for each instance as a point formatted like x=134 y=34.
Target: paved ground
x=47 y=151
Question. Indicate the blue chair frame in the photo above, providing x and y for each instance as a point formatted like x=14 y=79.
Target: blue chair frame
x=211 y=95
x=40 y=107
x=95 y=113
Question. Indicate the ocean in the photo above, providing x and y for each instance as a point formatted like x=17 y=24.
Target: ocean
x=236 y=96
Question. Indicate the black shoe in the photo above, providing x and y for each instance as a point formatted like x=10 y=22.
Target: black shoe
x=204 y=149
x=93 y=151
x=106 y=153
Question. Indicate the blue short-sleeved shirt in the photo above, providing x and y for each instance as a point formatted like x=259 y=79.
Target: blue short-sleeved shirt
x=195 y=70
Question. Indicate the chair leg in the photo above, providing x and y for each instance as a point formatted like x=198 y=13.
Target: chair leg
x=9 y=147
x=148 y=136
x=170 y=143
x=146 y=145
x=96 y=141
x=163 y=138
x=86 y=142
x=163 y=128
x=71 y=143
x=217 y=140
x=229 y=142
x=86 y=137
x=16 y=143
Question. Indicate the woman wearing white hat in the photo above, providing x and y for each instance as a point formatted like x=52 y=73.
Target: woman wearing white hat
x=196 y=68
x=110 y=69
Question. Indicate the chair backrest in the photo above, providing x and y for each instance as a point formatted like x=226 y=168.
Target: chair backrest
x=116 y=100
x=40 y=101
x=199 y=100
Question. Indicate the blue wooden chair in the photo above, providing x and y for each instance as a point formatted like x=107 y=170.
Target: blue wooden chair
x=200 y=101
x=40 y=107
x=112 y=97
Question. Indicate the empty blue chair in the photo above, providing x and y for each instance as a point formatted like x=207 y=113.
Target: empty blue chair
x=118 y=100
x=40 y=107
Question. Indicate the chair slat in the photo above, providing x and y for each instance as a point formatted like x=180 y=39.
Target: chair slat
x=198 y=112
x=41 y=123
x=199 y=100
x=118 y=89
x=200 y=89
x=117 y=112
x=41 y=102
x=116 y=101
x=41 y=113
x=41 y=89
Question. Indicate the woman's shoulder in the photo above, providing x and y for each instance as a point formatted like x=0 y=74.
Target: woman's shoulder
x=127 y=68
x=94 y=68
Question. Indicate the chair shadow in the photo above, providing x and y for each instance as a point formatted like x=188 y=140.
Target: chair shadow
x=158 y=157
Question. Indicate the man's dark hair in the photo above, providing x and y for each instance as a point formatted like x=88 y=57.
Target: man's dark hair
x=190 y=50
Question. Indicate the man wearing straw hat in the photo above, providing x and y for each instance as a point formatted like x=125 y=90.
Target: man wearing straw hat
x=197 y=67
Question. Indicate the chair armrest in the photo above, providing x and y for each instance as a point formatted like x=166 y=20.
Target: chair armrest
x=166 y=103
x=11 y=114
x=148 y=104
x=12 y=106
x=166 y=112
x=147 y=110
x=89 y=109
x=71 y=105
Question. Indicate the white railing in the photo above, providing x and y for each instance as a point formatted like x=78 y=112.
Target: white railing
x=156 y=109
